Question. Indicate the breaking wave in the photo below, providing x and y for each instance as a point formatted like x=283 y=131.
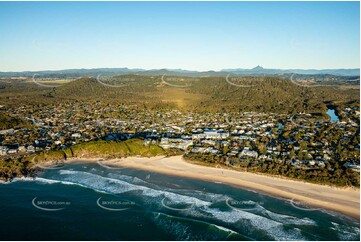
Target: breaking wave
x=202 y=207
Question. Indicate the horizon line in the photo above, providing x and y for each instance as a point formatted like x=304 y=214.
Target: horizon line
x=181 y=69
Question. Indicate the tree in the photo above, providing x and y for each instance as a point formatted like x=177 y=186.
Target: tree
x=292 y=153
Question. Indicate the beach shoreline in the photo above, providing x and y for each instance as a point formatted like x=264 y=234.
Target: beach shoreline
x=343 y=200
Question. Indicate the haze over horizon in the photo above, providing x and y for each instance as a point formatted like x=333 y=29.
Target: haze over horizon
x=192 y=36
x=180 y=69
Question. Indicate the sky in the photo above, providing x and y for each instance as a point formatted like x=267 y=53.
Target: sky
x=187 y=35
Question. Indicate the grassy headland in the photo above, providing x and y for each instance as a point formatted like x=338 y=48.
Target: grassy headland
x=26 y=166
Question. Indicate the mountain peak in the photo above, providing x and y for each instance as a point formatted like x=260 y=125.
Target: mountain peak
x=257 y=68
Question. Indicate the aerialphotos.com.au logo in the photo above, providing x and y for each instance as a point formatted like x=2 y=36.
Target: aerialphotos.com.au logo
x=43 y=82
x=115 y=205
x=102 y=164
x=310 y=85
x=174 y=167
x=50 y=205
x=110 y=81
x=175 y=206
x=175 y=85
x=299 y=120
x=56 y=166
x=236 y=81
x=242 y=205
x=293 y=204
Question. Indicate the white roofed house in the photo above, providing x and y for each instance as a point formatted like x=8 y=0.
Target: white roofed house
x=76 y=135
x=164 y=143
x=355 y=167
x=57 y=142
x=178 y=143
x=209 y=142
x=22 y=148
x=3 y=150
x=211 y=135
x=147 y=141
x=247 y=153
x=30 y=148
x=12 y=151
x=211 y=150
x=262 y=157
x=185 y=144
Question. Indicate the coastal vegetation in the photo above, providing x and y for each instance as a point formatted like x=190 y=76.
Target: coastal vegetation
x=198 y=94
x=19 y=167
x=340 y=176
x=26 y=166
x=7 y=122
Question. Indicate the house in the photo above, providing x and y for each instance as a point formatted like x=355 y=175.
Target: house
x=12 y=151
x=3 y=150
x=210 y=135
x=22 y=148
x=7 y=131
x=355 y=167
x=247 y=153
x=76 y=135
x=57 y=142
x=30 y=148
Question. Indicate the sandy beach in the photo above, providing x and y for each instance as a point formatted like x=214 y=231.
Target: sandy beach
x=343 y=200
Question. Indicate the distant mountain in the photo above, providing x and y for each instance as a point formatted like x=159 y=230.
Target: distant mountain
x=75 y=72
x=176 y=72
x=258 y=70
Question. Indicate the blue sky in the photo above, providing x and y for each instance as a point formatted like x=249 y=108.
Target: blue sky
x=187 y=35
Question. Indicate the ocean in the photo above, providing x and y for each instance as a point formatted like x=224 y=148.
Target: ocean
x=89 y=201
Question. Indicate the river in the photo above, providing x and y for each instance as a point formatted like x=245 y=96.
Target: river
x=333 y=116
